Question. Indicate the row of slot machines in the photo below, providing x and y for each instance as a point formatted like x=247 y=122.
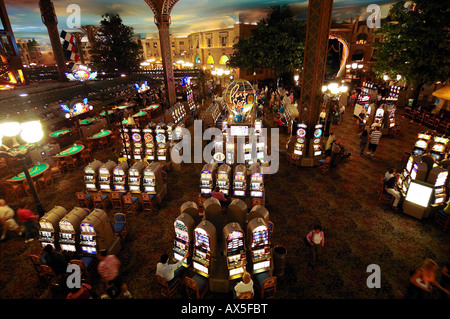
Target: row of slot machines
x=385 y=116
x=201 y=240
x=150 y=143
x=139 y=178
x=423 y=173
x=78 y=231
x=301 y=138
x=235 y=183
x=437 y=146
x=176 y=114
x=254 y=147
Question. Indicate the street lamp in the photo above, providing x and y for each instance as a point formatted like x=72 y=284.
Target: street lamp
x=31 y=132
x=332 y=91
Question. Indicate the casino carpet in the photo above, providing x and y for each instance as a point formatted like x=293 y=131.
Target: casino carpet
x=358 y=230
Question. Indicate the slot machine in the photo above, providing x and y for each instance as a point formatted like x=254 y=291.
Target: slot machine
x=91 y=172
x=170 y=128
x=405 y=178
x=229 y=156
x=421 y=146
x=234 y=239
x=419 y=171
x=138 y=143
x=49 y=226
x=256 y=183
x=153 y=182
x=439 y=146
x=135 y=180
x=205 y=243
x=258 y=245
x=207 y=177
x=260 y=148
x=105 y=176
x=126 y=141
x=392 y=118
x=240 y=181
x=69 y=229
x=248 y=154
x=149 y=140
x=161 y=143
x=223 y=178
x=96 y=234
x=317 y=141
x=438 y=177
x=120 y=173
x=177 y=134
x=258 y=127
x=300 y=142
x=184 y=237
x=379 y=115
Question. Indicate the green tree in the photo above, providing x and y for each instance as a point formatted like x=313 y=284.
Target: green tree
x=277 y=43
x=114 y=46
x=415 y=43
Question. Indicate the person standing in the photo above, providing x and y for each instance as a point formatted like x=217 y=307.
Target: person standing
x=374 y=140
x=363 y=140
x=316 y=240
x=423 y=280
x=27 y=218
x=341 y=113
x=7 y=220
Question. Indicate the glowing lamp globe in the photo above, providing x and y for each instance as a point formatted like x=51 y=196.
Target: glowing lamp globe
x=240 y=98
x=10 y=129
x=31 y=132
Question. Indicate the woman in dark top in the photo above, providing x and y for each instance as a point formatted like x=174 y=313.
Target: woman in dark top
x=364 y=138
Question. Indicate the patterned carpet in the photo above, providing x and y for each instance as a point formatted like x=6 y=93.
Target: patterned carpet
x=358 y=230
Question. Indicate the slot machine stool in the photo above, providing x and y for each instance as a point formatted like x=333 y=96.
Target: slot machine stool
x=257 y=201
x=266 y=285
x=196 y=286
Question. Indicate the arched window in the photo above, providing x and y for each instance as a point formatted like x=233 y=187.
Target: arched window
x=210 y=60
x=223 y=59
x=197 y=59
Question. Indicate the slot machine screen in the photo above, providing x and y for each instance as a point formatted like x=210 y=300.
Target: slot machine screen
x=441 y=179
x=261 y=265
x=88 y=240
x=206 y=191
x=419 y=194
x=87 y=228
x=201 y=239
x=421 y=144
x=88 y=178
x=438 y=148
x=256 y=194
x=260 y=236
x=65 y=226
x=89 y=171
x=89 y=250
x=239 y=193
x=68 y=247
x=117 y=179
x=104 y=178
x=45 y=235
x=104 y=186
x=46 y=225
x=200 y=267
x=235 y=242
x=47 y=243
x=133 y=179
x=414 y=171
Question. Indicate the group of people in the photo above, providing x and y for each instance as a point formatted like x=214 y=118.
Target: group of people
x=108 y=267
x=25 y=217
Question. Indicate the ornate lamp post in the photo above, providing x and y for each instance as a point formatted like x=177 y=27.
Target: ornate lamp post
x=31 y=132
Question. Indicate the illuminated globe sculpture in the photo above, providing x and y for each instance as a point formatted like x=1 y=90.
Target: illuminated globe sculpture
x=240 y=97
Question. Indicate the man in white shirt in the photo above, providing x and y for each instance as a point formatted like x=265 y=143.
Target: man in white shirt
x=170 y=272
x=374 y=140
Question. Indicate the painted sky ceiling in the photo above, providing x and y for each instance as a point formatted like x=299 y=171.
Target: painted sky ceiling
x=187 y=15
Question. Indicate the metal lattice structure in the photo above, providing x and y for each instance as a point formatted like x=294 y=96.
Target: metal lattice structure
x=10 y=63
x=50 y=20
x=162 y=9
x=314 y=62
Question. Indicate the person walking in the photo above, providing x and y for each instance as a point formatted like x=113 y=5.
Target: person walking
x=28 y=218
x=7 y=220
x=374 y=140
x=363 y=140
x=316 y=241
x=108 y=269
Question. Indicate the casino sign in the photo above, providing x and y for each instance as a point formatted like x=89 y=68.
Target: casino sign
x=240 y=98
x=77 y=107
x=81 y=73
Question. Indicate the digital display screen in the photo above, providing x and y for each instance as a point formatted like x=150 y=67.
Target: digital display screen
x=89 y=250
x=441 y=179
x=256 y=194
x=68 y=247
x=239 y=193
x=239 y=130
x=262 y=265
x=419 y=194
x=206 y=191
x=260 y=236
x=200 y=267
x=104 y=186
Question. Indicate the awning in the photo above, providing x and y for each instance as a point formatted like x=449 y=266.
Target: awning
x=443 y=93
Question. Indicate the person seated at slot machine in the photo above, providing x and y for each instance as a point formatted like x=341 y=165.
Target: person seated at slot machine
x=328 y=146
x=390 y=181
x=170 y=272
x=218 y=194
x=246 y=285
x=55 y=260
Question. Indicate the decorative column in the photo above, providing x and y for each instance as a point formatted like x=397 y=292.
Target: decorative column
x=162 y=10
x=51 y=22
x=314 y=62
